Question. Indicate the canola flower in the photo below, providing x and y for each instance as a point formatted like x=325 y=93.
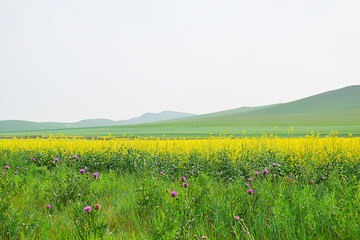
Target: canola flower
x=293 y=155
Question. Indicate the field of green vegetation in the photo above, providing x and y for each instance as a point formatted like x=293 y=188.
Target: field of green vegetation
x=194 y=132
x=263 y=188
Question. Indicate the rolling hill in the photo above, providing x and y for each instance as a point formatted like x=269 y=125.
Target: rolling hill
x=337 y=107
x=337 y=110
x=19 y=125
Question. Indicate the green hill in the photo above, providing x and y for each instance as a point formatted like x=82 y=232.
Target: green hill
x=337 y=110
x=19 y=125
x=338 y=107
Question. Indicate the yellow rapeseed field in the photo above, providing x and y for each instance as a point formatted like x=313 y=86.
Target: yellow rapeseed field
x=295 y=151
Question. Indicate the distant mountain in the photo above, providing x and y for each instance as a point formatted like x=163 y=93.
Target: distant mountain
x=155 y=117
x=19 y=125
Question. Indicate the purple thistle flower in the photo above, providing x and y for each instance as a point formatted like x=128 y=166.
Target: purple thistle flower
x=15 y=173
x=161 y=173
x=250 y=191
x=236 y=218
x=312 y=181
x=34 y=159
x=6 y=167
x=173 y=193
x=17 y=167
x=265 y=171
x=75 y=157
x=183 y=179
x=78 y=195
x=191 y=173
x=203 y=237
x=56 y=159
x=6 y=163
x=82 y=171
x=95 y=175
x=48 y=206
x=250 y=179
x=256 y=173
x=97 y=206
x=87 y=209
x=246 y=185
x=185 y=184
x=274 y=164
x=26 y=169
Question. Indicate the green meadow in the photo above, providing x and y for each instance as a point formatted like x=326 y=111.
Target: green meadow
x=130 y=193
x=194 y=132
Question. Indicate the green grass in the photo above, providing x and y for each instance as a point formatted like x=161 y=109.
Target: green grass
x=194 y=132
x=135 y=204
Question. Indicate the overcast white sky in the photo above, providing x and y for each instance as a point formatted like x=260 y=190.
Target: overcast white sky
x=70 y=60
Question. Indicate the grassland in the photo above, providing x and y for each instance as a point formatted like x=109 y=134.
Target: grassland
x=305 y=188
x=193 y=132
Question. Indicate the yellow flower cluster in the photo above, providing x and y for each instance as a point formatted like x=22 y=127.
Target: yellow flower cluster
x=296 y=151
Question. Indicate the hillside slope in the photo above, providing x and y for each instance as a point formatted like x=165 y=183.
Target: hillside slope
x=19 y=125
x=337 y=107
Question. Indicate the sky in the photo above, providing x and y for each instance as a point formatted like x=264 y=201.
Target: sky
x=72 y=60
